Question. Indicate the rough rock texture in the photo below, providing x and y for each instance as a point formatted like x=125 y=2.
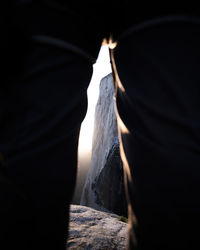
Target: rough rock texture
x=92 y=229
x=104 y=187
x=109 y=185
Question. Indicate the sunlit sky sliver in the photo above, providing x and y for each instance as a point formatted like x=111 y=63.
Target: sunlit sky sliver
x=101 y=68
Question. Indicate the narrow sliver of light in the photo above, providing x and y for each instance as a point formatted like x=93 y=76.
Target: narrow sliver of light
x=100 y=69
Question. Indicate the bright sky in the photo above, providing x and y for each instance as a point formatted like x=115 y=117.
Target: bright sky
x=101 y=68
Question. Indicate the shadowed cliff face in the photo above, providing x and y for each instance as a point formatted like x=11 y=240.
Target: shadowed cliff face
x=104 y=187
x=109 y=185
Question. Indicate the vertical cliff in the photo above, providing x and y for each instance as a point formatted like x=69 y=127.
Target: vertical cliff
x=104 y=187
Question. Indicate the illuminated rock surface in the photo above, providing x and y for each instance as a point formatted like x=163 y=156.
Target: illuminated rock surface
x=92 y=229
x=104 y=187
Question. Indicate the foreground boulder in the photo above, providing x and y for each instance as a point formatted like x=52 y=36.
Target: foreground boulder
x=92 y=229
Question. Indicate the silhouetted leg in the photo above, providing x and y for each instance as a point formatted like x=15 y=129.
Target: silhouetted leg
x=41 y=114
x=157 y=102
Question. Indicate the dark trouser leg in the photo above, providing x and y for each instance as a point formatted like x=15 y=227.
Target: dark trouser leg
x=40 y=219
x=157 y=105
x=41 y=114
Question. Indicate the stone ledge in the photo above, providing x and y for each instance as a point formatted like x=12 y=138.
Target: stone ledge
x=93 y=229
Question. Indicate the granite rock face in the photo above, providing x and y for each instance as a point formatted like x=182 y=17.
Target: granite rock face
x=109 y=185
x=104 y=187
x=92 y=229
